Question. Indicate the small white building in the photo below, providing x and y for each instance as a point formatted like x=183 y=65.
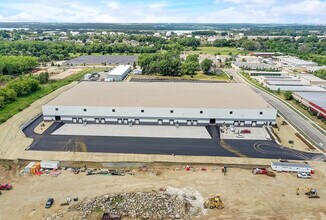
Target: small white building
x=47 y=164
x=291 y=167
x=119 y=73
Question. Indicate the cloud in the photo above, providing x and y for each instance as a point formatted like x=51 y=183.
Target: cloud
x=157 y=5
x=113 y=5
x=169 y=11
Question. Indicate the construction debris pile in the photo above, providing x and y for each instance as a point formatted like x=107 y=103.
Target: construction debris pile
x=141 y=205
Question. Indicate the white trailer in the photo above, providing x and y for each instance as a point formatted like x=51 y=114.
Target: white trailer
x=47 y=164
x=291 y=167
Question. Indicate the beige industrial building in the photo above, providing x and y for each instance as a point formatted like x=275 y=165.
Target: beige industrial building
x=160 y=103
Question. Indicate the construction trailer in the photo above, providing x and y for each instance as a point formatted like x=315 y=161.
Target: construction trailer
x=291 y=167
x=47 y=164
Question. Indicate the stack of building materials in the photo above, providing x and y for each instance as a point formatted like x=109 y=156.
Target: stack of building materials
x=47 y=164
x=32 y=167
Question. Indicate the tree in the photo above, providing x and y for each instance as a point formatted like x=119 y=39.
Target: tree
x=9 y=95
x=2 y=101
x=189 y=67
x=43 y=78
x=288 y=95
x=192 y=58
x=206 y=65
x=278 y=91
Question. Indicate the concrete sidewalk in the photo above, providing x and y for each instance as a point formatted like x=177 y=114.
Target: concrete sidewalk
x=133 y=131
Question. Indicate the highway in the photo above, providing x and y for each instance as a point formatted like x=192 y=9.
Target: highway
x=301 y=124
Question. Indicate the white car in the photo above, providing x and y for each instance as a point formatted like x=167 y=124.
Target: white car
x=304 y=175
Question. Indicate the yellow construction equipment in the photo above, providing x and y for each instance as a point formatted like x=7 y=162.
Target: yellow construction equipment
x=214 y=202
x=309 y=192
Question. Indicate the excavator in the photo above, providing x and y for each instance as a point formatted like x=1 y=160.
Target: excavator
x=309 y=192
x=214 y=202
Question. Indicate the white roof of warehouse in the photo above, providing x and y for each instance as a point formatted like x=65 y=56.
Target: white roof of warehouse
x=287 y=82
x=312 y=78
x=318 y=98
x=294 y=60
x=162 y=95
x=119 y=70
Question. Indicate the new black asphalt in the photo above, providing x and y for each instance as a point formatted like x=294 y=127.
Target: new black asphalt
x=167 y=146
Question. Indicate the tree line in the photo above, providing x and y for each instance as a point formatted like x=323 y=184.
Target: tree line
x=170 y=64
x=12 y=65
x=21 y=86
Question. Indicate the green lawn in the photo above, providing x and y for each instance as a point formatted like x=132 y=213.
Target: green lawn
x=198 y=76
x=201 y=76
x=216 y=50
x=23 y=102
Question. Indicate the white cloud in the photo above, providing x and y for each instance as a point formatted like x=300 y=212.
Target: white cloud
x=158 y=5
x=223 y=11
x=113 y=5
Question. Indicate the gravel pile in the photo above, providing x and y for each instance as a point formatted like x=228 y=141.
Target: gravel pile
x=141 y=205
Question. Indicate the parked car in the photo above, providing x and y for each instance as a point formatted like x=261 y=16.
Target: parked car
x=5 y=187
x=259 y=171
x=49 y=203
x=245 y=131
x=304 y=175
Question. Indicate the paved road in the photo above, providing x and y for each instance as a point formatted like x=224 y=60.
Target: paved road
x=295 y=119
x=167 y=146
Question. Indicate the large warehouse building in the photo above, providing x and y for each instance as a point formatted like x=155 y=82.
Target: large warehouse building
x=315 y=101
x=160 y=103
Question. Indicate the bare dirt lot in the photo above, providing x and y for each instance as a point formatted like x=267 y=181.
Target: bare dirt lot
x=286 y=133
x=246 y=196
x=64 y=74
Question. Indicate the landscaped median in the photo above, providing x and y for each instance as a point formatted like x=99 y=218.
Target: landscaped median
x=23 y=102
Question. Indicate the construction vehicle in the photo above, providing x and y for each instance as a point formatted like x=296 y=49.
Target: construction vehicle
x=309 y=192
x=214 y=202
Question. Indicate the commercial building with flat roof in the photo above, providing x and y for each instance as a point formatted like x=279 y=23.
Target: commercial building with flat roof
x=295 y=62
x=315 y=101
x=254 y=66
x=287 y=83
x=266 y=73
x=312 y=79
x=160 y=103
x=119 y=73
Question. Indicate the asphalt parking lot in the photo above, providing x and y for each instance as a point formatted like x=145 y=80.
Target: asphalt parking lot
x=155 y=145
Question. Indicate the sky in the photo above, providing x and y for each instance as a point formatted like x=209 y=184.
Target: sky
x=164 y=11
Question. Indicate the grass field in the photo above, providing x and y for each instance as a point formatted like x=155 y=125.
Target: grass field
x=198 y=76
x=201 y=76
x=217 y=50
x=23 y=102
